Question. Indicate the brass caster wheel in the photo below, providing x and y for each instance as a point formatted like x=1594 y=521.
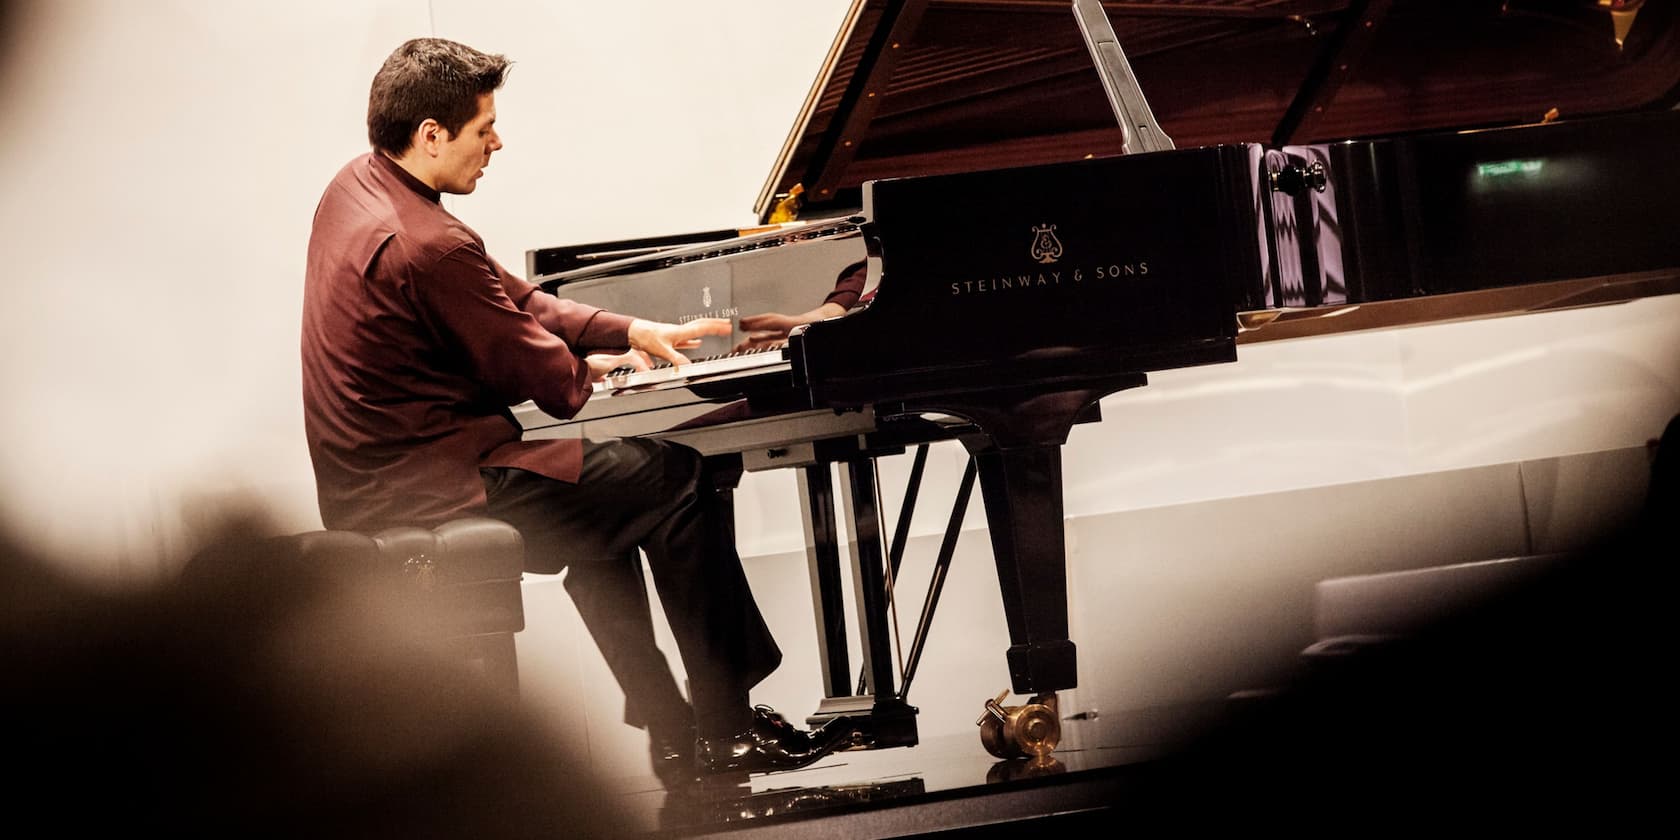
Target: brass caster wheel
x=1030 y=730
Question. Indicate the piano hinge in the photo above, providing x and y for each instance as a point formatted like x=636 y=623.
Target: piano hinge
x=787 y=208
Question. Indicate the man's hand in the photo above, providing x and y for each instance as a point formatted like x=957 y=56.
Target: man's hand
x=772 y=322
x=601 y=364
x=664 y=340
x=767 y=328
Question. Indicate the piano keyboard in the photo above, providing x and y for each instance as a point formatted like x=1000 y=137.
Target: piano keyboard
x=663 y=371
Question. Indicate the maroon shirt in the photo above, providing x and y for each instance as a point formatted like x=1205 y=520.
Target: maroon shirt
x=848 y=287
x=415 y=343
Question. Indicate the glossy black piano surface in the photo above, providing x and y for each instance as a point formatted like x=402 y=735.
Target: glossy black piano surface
x=1056 y=275
x=914 y=87
x=1341 y=165
x=1371 y=191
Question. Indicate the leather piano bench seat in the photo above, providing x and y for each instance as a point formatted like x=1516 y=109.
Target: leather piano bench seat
x=463 y=576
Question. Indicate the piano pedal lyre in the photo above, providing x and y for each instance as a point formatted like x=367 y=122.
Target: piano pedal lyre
x=1031 y=730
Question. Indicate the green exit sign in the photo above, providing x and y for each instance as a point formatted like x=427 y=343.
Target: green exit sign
x=1508 y=168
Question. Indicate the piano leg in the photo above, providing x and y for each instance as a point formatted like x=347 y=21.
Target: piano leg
x=816 y=498
x=1019 y=456
x=1022 y=490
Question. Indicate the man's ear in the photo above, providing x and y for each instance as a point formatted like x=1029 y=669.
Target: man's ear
x=430 y=136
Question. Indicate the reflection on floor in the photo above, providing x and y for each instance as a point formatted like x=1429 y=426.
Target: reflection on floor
x=941 y=784
x=1535 y=703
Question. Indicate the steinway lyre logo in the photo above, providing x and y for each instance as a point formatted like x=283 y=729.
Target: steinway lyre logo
x=706 y=296
x=1046 y=248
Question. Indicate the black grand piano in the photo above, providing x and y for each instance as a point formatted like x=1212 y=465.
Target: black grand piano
x=1035 y=235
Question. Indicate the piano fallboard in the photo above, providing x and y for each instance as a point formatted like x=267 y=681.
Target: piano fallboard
x=1052 y=277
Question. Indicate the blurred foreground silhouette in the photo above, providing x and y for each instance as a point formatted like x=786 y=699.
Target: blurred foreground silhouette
x=260 y=695
x=1545 y=706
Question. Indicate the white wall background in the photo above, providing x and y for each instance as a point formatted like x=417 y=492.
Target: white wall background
x=161 y=161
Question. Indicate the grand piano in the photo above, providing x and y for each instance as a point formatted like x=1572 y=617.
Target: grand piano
x=1037 y=231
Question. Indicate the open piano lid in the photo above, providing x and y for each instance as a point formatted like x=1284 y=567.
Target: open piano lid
x=922 y=87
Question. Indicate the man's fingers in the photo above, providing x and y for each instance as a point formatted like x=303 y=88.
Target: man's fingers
x=707 y=326
x=663 y=340
x=760 y=338
x=633 y=359
x=669 y=354
x=687 y=337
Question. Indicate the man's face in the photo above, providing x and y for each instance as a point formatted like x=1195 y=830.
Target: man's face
x=463 y=157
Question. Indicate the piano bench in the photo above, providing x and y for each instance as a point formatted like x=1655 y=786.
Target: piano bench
x=463 y=578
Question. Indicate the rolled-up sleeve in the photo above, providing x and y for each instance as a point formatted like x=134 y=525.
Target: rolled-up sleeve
x=848 y=287
x=510 y=351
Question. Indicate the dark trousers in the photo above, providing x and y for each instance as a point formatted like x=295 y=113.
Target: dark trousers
x=657 y=497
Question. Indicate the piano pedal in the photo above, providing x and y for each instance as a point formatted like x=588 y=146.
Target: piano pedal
x=862 y=722
x=1031 y=730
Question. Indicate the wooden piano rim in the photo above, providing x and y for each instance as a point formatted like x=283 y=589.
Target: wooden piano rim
x=1280 y=324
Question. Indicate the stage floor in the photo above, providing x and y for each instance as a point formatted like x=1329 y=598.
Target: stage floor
x=948 y=783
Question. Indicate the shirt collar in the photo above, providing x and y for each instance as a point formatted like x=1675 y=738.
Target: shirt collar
x=403 y=175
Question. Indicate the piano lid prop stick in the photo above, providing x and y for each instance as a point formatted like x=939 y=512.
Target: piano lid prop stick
x=1138 y=129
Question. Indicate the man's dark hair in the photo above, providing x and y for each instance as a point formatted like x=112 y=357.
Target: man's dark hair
x=429 y=78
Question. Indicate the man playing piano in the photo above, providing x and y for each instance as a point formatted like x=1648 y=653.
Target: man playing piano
x=415 y=342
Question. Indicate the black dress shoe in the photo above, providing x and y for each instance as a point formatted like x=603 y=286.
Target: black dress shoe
x=671 y=752
x=770 y=724
x=768 y=743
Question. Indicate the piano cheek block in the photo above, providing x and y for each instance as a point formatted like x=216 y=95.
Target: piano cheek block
x=1043 y=666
